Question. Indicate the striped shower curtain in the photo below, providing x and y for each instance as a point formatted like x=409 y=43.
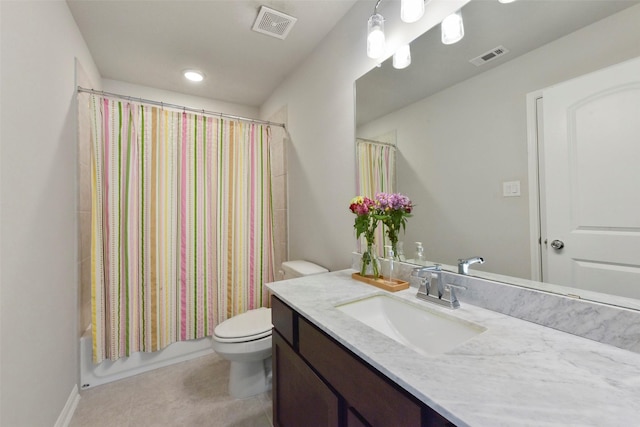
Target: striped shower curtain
x=376 y=165
x=181 y=224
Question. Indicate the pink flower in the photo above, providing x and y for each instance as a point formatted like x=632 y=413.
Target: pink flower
x=361 y=205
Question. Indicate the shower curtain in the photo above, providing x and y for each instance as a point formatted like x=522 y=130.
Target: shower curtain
x=376 y=167
x=181 y=224
x=376 y=164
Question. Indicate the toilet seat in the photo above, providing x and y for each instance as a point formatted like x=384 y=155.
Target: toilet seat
x=252 y=325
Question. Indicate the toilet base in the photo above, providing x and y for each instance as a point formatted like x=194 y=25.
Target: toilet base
x=247 y=379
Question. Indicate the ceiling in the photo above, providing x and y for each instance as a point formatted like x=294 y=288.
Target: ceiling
x=152 y=42
x=520 y=27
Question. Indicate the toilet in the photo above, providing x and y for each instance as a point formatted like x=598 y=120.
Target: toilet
x=245 y=340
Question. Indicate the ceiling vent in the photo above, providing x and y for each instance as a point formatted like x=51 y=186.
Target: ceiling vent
x=489 y=56
x=273 y=23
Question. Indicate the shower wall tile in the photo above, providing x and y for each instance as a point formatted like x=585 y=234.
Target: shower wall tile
x=281 y=255
x=280 y=223
x=277 y=158
x=279 y=141
x=84 y=233
x=280 y=116
x=84 y=202
x=85 y=294
x=84 y=147
x=85 y=188
x=85 y=238
x=279 y=192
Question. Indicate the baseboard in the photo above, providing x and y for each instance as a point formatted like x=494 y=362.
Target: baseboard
x=69 y=408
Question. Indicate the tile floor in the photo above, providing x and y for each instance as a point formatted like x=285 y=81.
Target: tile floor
x=192 y=393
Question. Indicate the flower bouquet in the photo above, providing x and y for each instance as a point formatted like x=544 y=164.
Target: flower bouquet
x=393 y=209
x=365 y=224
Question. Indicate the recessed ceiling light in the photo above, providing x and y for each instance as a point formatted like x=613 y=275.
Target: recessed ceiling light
x=193 y=75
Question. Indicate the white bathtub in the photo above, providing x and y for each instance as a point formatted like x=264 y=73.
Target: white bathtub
x=92 y=375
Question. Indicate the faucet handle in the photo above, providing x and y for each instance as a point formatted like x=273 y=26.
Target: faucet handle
x=418 y=279
x=458 y=287
x=422 y=271
x=453 y=298
x=425 y=274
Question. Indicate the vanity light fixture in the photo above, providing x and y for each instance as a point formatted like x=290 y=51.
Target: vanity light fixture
x=452 y=28
x=506 y=1
x=193 y=75
x=411 y=10
x=375 y=34
x=402 y=57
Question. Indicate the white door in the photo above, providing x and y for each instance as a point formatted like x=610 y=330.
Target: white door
x=591 y=168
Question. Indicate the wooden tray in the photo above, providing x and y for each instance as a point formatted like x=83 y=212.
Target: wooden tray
x=392 y=285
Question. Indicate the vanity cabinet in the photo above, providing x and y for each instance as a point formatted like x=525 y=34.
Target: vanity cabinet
x=319 y=382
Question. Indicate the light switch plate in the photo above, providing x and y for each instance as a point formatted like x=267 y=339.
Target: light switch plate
x=511 y=189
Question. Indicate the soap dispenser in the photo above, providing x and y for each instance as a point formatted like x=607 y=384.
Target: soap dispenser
x=390 y=273
x=419 y=254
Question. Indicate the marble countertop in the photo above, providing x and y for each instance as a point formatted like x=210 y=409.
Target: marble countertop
x=515 y=373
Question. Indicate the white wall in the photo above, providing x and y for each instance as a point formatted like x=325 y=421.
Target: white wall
x=38 y=307
x=459 y=145
x=38 y=166
x=153 y=94
x=320 y=101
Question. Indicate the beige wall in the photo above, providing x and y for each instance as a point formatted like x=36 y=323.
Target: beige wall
x=319 y=97
x=39 y=264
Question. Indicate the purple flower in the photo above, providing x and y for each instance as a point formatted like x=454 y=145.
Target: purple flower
x=393 y=202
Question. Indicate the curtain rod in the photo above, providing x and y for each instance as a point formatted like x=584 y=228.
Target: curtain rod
x=179 y=107
x=371 y=141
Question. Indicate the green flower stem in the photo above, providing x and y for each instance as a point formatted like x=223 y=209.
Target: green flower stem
x=369 y=258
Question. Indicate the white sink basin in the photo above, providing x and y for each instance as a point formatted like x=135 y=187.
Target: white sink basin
x=425 y=331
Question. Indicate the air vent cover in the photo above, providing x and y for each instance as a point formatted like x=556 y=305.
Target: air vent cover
x=489 y=56
x=273 y=23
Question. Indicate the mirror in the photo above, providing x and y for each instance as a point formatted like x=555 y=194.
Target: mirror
x=462 y=132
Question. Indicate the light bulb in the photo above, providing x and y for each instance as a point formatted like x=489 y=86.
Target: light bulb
x=375 y=37
x=411 y=10
x=452 y=28
x=402 y=57
x=193 y=75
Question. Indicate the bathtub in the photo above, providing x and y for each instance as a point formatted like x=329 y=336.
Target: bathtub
x=92 y=375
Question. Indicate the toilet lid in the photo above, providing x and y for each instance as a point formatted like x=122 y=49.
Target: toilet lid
x=253 y=322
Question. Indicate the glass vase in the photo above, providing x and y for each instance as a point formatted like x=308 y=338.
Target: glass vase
x=399 y=251
x=370 y=262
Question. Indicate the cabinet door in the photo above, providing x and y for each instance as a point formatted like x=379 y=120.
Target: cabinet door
x=375 y=399
x=283 y=319
x=372 y=400
x=300 y=397
x=354 y=419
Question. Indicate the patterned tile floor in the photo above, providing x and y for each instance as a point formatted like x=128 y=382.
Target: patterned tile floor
x=192 y=393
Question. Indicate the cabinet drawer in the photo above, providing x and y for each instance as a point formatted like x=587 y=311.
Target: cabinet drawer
x=283 y=319
x=300 y=397
x=377 y=401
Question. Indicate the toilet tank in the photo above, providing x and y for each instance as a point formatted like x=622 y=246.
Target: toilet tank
x=299 y=268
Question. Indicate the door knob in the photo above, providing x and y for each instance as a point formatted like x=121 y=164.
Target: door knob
x=557 y=244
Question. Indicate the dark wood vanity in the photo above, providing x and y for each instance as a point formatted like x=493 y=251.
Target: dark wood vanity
x=319 y=382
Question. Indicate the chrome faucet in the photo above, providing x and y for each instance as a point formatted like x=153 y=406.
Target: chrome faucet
x=463 y=264
x=437 y=293
x=427 y=274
